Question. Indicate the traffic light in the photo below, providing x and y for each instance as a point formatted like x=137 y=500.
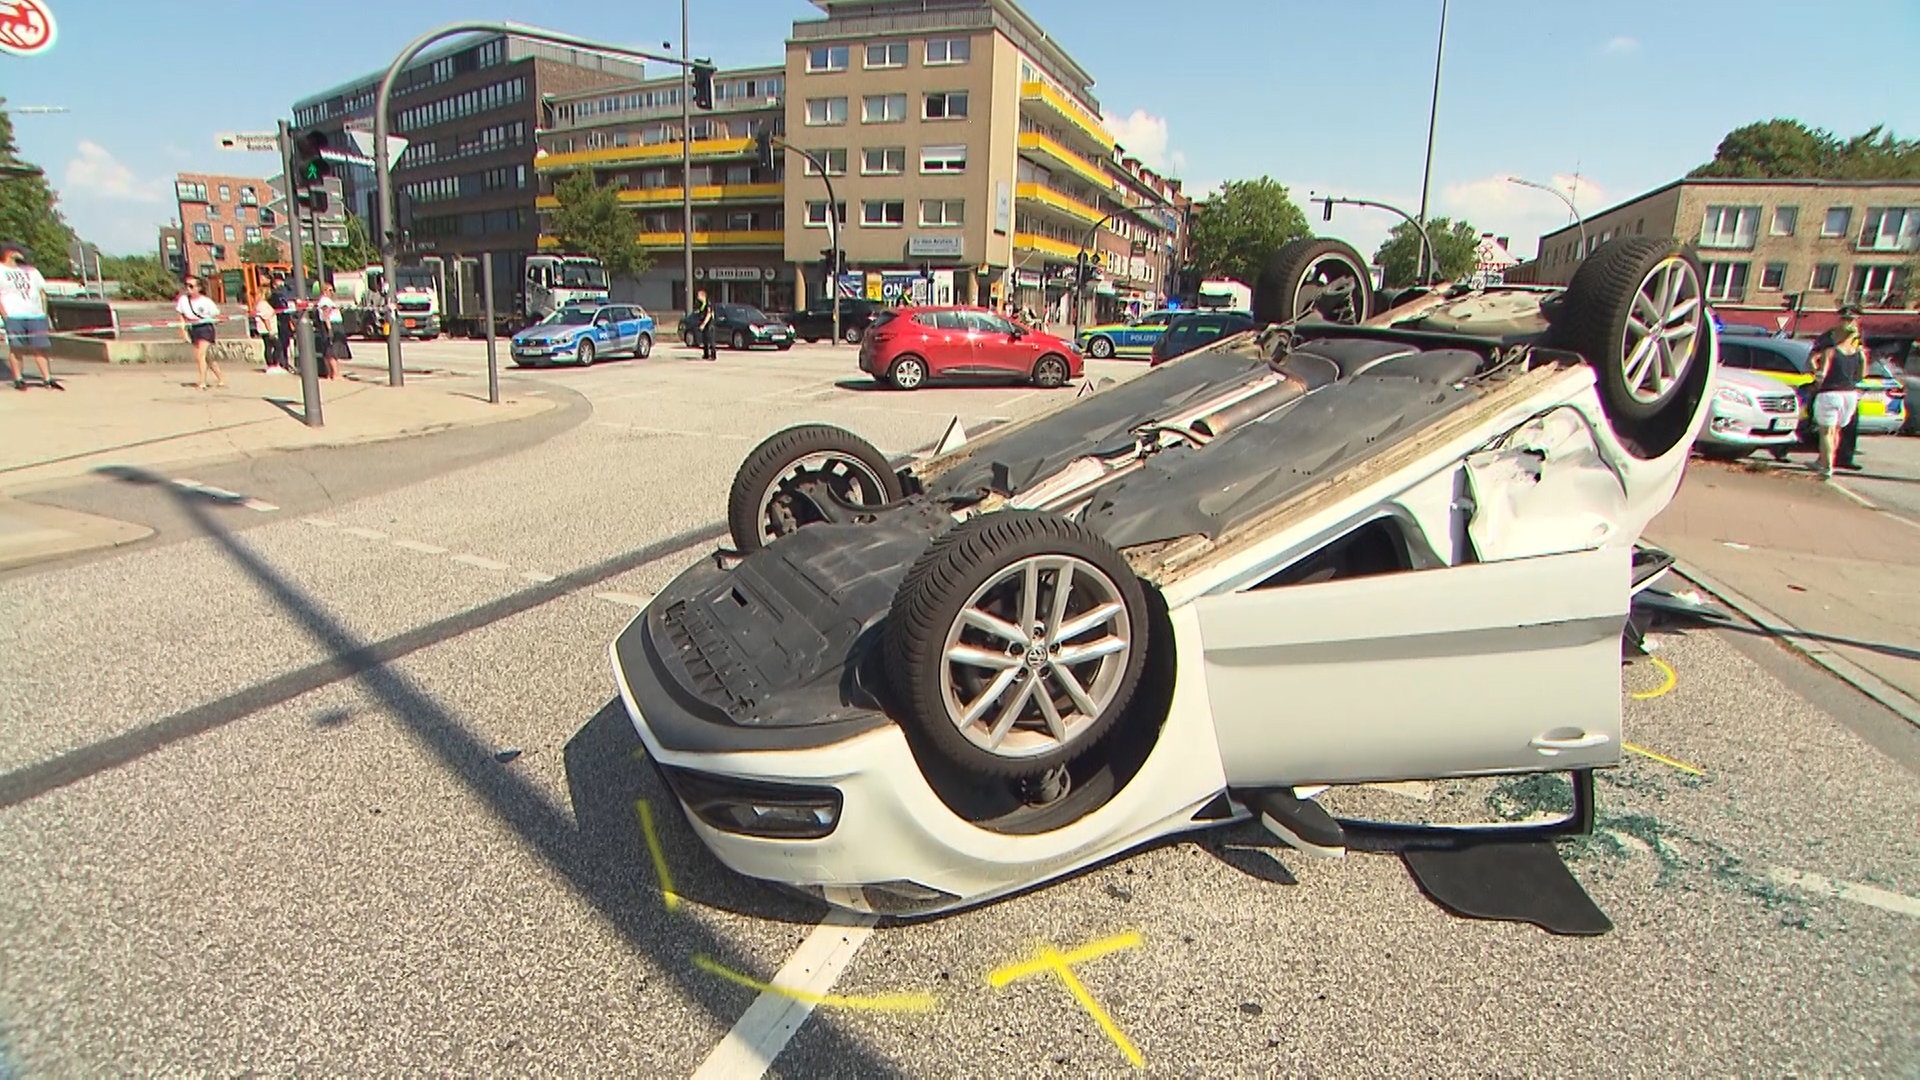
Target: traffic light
x=703 y=83
x=1326 y=209
x=763 y=146
x=1083 y=270
x=311 y=169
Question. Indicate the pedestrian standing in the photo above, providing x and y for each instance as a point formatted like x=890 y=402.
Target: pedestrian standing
x=326 y=325
x=198 y=314
x=1849 y=446
x=703 y=326
x=283 y=313
x=1837 y=371
x=23 y=305
x=263 y=328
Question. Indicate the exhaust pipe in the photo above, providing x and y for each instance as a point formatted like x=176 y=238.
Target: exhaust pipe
x=1223 y=420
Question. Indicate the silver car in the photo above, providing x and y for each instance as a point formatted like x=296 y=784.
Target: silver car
x=1750 y=412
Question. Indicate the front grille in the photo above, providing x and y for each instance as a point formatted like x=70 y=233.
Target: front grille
x=1779 y=403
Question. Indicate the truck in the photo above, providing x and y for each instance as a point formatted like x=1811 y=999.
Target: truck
x=415 y=297
x=453 y=284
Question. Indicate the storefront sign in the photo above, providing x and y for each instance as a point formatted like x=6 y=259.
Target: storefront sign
x=733 y=273
x=936 y=247
x=1027 y=279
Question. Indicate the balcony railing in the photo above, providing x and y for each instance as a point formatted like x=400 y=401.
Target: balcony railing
x=1045 y=244
x=703 y=194
x=1034 y=142
x=1059 y=202
x=1071 y=111
x=749 y=238
x=703 y=149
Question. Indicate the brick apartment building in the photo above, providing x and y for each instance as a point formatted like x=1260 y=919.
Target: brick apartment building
x=217 y=216
x=471 y=111
x=962 y=144
x=1772 y=249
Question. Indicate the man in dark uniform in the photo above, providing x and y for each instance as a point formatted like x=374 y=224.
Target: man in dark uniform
x=1843 y=457
x=703 y=326
x=281 y=298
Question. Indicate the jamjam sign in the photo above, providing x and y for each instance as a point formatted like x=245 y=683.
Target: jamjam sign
x=26 y=27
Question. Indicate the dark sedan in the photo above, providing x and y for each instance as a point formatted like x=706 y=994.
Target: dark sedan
x=1190 y=330
x=816 y=323
x=742 y=326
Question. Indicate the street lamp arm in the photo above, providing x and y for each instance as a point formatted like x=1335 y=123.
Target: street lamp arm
x=1563 y=197
x=1426 y=242
x=833 y=225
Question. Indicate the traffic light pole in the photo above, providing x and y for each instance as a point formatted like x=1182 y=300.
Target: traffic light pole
x=1080 y=267
x=302 y=329
x=833 y=227
x=1426 y=243
x=382 y=127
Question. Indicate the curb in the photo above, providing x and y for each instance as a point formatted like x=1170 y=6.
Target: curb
x=1881 y=691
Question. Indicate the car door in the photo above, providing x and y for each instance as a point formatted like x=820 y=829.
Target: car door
x=950 y=338
x=1484 y=668
x=997 y=349
x=1141 y=335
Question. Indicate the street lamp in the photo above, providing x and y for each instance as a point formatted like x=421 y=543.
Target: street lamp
x=1563 y=197
x=1433 y=120
x=833 y=218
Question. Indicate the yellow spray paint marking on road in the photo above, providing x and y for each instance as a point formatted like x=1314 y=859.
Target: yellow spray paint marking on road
x=1665 y=687
x=667 y=895
x=1663 y=759
x=1050 y=959
x=908 y=1002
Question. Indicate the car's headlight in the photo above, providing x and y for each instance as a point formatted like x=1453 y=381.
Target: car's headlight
x=1736 y=397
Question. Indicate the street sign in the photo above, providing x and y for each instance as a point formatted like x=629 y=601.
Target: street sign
x=362 y=139
x=345 y=158
x=265 y=142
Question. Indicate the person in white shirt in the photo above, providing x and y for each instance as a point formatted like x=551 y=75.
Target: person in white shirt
x=263 y=328
x=198 y=313
x=23 y=304
x=327 y=327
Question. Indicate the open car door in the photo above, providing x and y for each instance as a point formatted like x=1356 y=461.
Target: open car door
x=1485 y=668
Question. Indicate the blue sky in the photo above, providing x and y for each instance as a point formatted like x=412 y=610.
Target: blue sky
x=1330 y=96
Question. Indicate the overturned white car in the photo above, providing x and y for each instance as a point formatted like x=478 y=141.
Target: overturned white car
x=1346 y=547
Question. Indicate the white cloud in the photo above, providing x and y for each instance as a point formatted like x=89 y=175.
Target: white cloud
x=1144 y=136
x=1621 y=45
x=1523 y=214
x=96 y=172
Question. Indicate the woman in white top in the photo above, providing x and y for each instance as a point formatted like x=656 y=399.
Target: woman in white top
x=328 y=321
x=199 y=313
x=263 y=329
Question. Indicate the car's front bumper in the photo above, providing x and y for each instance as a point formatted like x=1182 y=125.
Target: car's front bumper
x=1749 y=424
x=562 y=351
x=776 y=335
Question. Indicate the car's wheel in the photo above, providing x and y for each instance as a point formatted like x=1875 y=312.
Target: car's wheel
x=792 y=479
x=1323 y=279
x=811 y=340
x=1050 y=372
x=644 y=347
x=907 y=373
x=1015 y=642
x=1100 y=348
x=784 y=346
x=740 y=340
x=850 y=334
x=1723 y=453
x=1637 y=311
x=584 y=354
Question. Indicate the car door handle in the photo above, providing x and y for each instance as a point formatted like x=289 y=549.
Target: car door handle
x=1553 y=742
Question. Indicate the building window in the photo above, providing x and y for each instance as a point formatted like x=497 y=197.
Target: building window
x=883 y=108
x=1729 y=226
x=943 y=159
x=1824 y=275
x=949 y=50
x=240 y=213
x=226 y=233
x=740 y=221
x=1785 y=219
x=883 y=213
x=226 y=193
x=213 y=211
x=1874 y=285
x=945 y=105
x=834 y=160
x=830 y=110
x=253 y=234
x=817 y=214
x=883 y=161
x=942 y=212
x=202 y=233
x=1839 y=219
x=266 y=216
x=656 y=221
x=890 y=54
x=827 y=58
x=1726 y=281
x=1889 y=229
x=1774 y=277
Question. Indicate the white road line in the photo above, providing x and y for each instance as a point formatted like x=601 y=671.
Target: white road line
x=1898 y=903
x=259 y=505
x=183 y=482
x=1870 y=504
x=482 y=563
x=536 y=576
x=625 y=599
x=324 y=523
x=221 y=493
x=676 y=432
x=424 y=549
x=365 y=534
x=763 y=1030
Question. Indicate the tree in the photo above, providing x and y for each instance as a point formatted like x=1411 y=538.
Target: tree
x=1788 y=149
x=1456 y=251
x=264 y=250
x=141 y=277
x=28 y=211
x=1236 y=229
x=360 y=250
x=591 y=221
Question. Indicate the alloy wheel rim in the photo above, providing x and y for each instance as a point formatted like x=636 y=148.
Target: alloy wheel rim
x=1662 y=334
x=910 y=373
x=1035 y=656
x=847 y=476
x=1320 y=277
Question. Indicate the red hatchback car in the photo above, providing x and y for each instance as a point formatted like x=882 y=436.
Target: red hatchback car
x=908 y=346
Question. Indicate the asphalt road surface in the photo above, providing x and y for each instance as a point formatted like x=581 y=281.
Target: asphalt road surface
x=344 y=789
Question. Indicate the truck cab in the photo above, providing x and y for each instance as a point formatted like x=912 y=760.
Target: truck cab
x=556 y=281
